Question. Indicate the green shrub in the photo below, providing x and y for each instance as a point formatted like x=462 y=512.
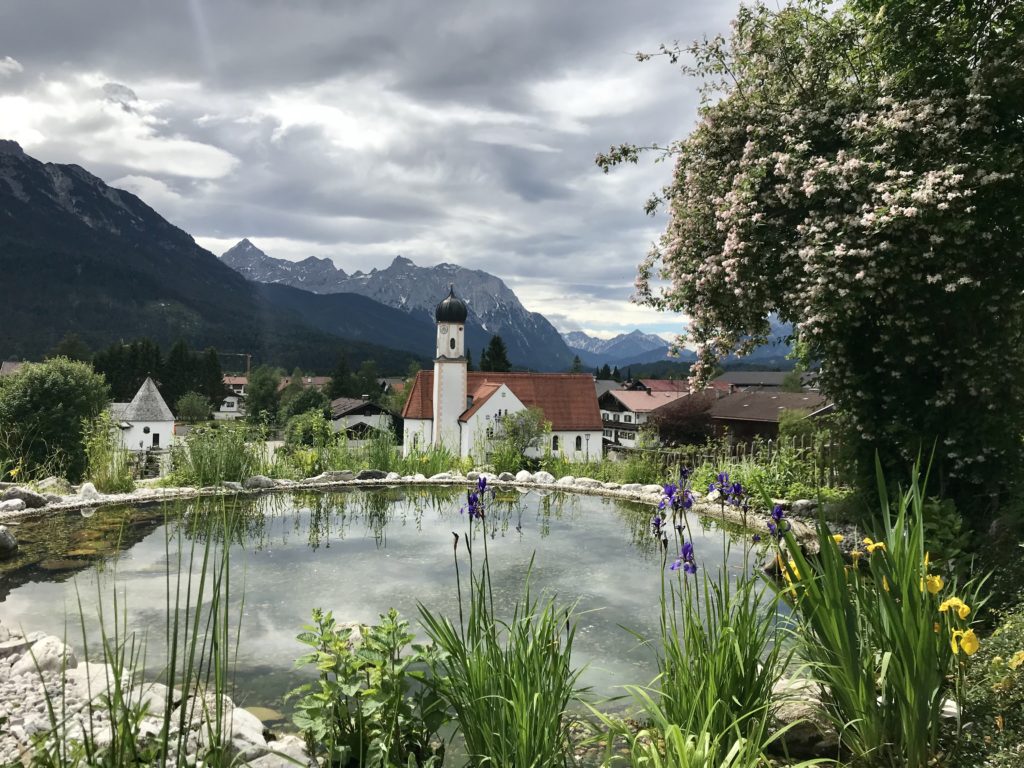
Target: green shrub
x=44 y=408
x=364 y=709
x=109 y=466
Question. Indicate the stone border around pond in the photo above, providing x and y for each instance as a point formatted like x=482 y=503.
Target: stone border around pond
x=87 y=497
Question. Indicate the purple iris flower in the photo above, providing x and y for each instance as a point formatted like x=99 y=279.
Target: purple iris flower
x=687 y=498
x=656 y=525
x=757 y=538
x=777 y=513
x=481 y=483
x=670 y=491
x=474 y=506
x=685 y=559
x=684 y=475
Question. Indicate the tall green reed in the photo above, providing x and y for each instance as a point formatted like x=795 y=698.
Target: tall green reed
x=508 y=682
x=885 y=637
x=220 y=453
x=201 y=640
x=109 y=466
x=720 y=654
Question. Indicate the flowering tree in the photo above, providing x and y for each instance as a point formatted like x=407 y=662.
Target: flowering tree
x=858 y=171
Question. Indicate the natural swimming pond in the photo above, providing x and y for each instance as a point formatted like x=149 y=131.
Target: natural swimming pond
x=357 y=554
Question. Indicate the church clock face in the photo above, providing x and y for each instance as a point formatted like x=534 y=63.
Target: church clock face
x=444 y=329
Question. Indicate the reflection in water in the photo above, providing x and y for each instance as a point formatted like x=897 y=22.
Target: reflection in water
x=356 y=553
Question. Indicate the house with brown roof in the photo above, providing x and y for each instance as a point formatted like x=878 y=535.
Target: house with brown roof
x=625 y=411
x=462 y=409
x=359 y=417
x=743 y=416
x=10 y=367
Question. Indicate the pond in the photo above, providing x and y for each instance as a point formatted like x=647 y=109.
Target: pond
x=357 y=554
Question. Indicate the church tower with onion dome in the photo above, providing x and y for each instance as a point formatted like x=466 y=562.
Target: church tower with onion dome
x=450 y=370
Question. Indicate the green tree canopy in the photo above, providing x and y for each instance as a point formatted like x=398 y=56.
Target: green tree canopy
x=309 y=399
x=262 y=399
x=44 y=409
x=857 y=169
x=192 y=407
x=72 y=347
x=366 y=381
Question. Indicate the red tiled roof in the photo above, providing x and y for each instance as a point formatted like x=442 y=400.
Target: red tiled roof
x=229 y=380
x=568 y=400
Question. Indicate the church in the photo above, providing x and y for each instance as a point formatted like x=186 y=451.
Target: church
x=462 y=410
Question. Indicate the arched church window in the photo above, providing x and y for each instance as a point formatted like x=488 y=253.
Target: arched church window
x=579 y=443
x=451 y=343
x=554 y=443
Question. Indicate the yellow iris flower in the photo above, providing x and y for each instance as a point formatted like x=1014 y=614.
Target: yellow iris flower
x=955 y=603
x=1017 y=660
x=933 y=583
x=966 y=640
x=837 y=538
x=871 y=545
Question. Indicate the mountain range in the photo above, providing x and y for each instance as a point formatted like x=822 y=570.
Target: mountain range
x=624 y=349
x=532 y=341
x=77 y=255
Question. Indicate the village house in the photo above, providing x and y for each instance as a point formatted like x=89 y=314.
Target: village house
x=233 y=405
x=146 y=423
x=462 y=409
x=745 y=415
x=359 y=418
x=625 y=411
x=10 y=367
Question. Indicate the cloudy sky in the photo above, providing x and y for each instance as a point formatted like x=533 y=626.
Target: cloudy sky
x=446 y=130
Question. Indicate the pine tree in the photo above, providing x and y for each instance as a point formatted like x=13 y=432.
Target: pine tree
x=577 y=365
x=606 y=372
x=211 y=378
x=469 y=360
x=341 y=379
x=497 y=356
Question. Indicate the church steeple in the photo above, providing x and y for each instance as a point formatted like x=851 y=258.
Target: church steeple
x=450 y=371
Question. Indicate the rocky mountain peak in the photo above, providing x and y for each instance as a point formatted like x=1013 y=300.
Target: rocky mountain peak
x=10 y=147
x=493 y=307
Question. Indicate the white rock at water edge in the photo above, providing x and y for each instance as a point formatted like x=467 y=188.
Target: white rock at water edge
x=48 y=654
x=12 y=505
x=522 y=476
x=88 y=491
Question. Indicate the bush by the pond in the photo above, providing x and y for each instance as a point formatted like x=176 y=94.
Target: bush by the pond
x=218 y=453
x=363 y=708
x=43 y=410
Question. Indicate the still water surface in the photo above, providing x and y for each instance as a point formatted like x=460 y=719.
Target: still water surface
x=356 y=554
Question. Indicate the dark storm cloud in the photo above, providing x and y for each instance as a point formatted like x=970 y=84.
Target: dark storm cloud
x=447 y=131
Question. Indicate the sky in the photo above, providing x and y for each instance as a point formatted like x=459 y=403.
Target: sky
x=444 y=131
